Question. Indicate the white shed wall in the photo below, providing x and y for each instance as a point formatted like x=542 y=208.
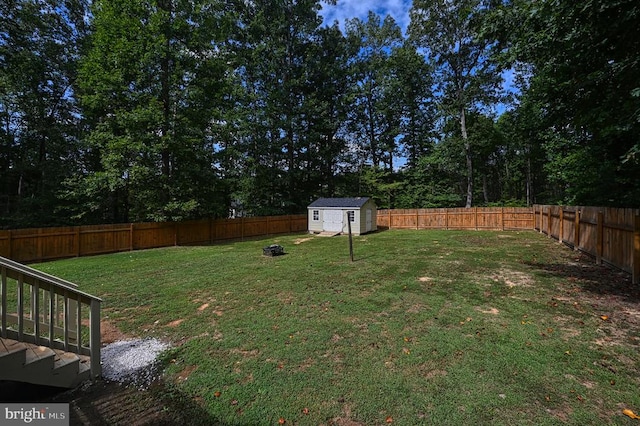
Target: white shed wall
x=358 y=226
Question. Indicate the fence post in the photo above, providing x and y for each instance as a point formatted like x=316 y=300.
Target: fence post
x=636 y=250
x=446 y=218
x=541 y=212
x=475 y=218
x=417 y=220
x=131 y=237
x=599 y=238
x=576 y=234
x=389 y=210
x=77 y=236
x=561 y=232
x=549 y=223
x=502 y=218
x=39 y=246
x=175 y=233
x=94 y=338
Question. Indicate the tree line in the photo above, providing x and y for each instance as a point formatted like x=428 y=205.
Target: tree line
x=153 y=110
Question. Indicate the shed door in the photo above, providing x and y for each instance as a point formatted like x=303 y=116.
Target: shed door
x=332 y=220
x=368 y=228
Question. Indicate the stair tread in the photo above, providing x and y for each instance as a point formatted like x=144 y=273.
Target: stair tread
x=37 y=353
x=8 y=346
x=67 y=369
x=63 y=358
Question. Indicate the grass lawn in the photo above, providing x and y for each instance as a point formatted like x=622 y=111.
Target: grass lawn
x=425 y=327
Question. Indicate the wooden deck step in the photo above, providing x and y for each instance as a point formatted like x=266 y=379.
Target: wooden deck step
x=26 y=362
x=12 y=354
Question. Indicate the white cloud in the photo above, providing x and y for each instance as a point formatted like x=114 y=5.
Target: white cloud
x=348 y=9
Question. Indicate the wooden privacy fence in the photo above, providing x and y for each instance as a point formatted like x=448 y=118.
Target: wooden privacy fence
x=611 y=235
x=496 y=218
x=34 y=245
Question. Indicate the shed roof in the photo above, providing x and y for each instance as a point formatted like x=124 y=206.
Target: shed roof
x=340 y=202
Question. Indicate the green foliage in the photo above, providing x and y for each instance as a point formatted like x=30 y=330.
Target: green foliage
x=141 y=84
x=374 y=120
x=582 y=70
x=467 y=76
x=434 y=182
x=170 y=109
x=291 y=105
x=40 y=43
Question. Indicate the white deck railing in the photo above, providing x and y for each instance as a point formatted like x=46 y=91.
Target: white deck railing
x=45 y=310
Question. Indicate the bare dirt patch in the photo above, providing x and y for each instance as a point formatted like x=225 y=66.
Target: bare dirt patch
x=186 y=372
x=345 y=418
x=512 y=278
x=302 y=240
x=175 y=323
x=246 y=353
x=416 y=308
x=435 y=373
x=109 y=333
x=492 y=311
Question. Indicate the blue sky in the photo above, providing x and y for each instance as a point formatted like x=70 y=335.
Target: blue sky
x=347 y=9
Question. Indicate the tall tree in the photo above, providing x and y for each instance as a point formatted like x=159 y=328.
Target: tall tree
x=409 y=91
x=291 y=98
x=449 y=33
x=152 y=83
x=327 y=91
x=375 y=116
x=40 y=45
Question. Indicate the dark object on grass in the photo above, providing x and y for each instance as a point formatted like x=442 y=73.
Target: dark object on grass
x=273 y=250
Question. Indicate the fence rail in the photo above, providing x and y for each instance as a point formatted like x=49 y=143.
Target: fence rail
x=610 y=235
x=494 y=218
x=34 y=245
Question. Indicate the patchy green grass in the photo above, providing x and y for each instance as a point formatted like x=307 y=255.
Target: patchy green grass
x=425 y=327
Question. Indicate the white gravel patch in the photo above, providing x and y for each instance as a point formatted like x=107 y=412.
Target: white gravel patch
x=132 y=361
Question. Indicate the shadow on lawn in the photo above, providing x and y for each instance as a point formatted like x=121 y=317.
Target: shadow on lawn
x=601 y=280
x=110 y=403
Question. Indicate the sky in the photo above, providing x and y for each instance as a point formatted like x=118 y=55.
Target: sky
x=347 y=9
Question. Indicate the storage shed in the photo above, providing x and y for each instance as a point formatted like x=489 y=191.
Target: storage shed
x=330 y=215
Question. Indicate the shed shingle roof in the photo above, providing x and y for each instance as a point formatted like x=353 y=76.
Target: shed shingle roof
x=340 y=202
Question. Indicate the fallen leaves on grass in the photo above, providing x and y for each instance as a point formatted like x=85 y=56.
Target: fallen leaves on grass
x=604 y=317
x=630 y=413
x=389 y=419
